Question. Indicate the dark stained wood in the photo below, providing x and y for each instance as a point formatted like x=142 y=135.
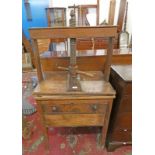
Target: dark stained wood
x=114 y=145
x=120 y=129
x=122 y=135
x=73 y=32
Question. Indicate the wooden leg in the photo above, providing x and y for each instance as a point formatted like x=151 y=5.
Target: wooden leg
x=105 y=126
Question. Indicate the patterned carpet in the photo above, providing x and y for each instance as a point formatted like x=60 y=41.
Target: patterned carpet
x=63 y=141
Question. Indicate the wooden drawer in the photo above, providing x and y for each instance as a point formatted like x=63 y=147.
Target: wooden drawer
x=122 y=135
x=124 y=120
x=74 y=120
x=74 y=106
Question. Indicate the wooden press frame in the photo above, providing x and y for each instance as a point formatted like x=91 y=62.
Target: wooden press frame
x=73 y=32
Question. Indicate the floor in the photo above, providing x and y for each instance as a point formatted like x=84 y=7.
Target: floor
x=62 y=141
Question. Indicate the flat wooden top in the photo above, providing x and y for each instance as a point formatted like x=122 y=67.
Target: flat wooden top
x=81 y=53
x=125 y=71
x=55 y=83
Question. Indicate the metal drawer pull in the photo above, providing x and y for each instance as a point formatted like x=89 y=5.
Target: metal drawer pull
x=125 y=130
x=54 y=108
x=124 y=143
x=94 y=107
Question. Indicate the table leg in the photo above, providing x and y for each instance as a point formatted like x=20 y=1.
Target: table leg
x=105 y=127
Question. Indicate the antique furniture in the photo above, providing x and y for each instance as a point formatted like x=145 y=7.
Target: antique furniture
x=120 y=128
x=59 y=103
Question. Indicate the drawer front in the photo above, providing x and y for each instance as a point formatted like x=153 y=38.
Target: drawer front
x=73 y=120
x=71 y=106
x=121 y=135
x=124 y=120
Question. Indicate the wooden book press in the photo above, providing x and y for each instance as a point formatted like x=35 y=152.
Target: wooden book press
x=69 y=97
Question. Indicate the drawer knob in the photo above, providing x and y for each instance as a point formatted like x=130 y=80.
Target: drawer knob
x=94 y=107
x=124 y=143
x=125 y=130
x=54 y=108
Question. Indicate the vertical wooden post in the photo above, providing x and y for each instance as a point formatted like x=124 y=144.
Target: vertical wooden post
x=111 y=12
x=108 y=59
x=105 y=127
x=48 y=11
x=121 y=15
x=98 y=12
x=37 y=59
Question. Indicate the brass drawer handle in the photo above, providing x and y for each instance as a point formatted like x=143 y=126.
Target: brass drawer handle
x=94 y=107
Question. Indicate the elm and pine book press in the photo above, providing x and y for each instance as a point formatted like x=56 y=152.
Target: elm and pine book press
x=70 y=97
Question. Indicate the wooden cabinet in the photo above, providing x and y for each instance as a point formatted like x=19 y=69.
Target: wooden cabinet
x=90 y=107
x=120 y=128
